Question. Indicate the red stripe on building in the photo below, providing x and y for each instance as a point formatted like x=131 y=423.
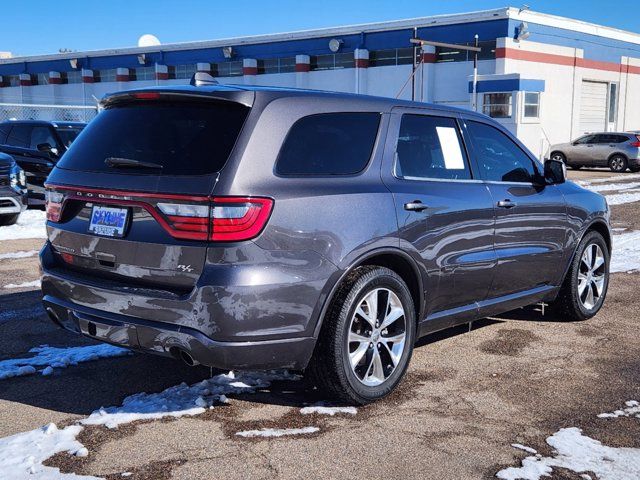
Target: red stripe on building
x=88 y=79
x=249 y=70
x=303 y=67
x=553 y=59
x=362 y=63
x=122 y=78
x=162 y=76
x=55 y=81
x=25 y=83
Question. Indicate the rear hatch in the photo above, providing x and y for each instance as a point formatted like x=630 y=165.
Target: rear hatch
x=130 y=201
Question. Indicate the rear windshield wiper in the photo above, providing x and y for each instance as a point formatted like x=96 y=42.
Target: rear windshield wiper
x=117 y=162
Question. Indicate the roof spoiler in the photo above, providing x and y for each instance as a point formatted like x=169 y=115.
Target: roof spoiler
x=202 y=79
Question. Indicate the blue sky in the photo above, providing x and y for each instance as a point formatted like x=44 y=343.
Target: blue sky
x=44 y=26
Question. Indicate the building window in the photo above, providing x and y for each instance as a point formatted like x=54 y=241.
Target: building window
x=446 y=54
x=277 y=65
x=332 y=61
x=181 y=71
x=106 y=75
x=226 y=69
x=393 y=56
x=497 y=105
x=12 y=80
x=613 y=102
x=531 y=104
x=74 y=76
x=142 y=73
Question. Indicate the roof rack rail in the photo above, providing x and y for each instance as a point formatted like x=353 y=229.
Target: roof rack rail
x=201 y=79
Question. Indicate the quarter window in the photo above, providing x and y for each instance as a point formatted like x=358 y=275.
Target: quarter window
x=430 y=147
x=497 y=105
x=42 y=135
x=531 y=104
x=499 y=158
x=329 y=144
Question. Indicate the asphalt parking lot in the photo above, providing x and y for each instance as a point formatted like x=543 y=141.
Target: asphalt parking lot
x=469 y=395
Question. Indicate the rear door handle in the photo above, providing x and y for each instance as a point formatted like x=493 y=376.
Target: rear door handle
x=506 y=203
x=415 y=206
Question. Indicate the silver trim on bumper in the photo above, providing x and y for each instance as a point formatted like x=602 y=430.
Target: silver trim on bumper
x=17 y=208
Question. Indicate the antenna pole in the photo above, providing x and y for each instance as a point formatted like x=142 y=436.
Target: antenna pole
x=474 y=100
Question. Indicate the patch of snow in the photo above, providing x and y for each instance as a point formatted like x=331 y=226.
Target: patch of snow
x=618 y=229
x=578 y=453
x=30 y=224
x=22 y=455
x=626 y=197
x=277 y=432
x=617 y=178
x=525 y=448
x=53 y=357
x=20 y=254
x=35 y=283
x=323 y=410
x=625 y=256
x=184 y=400
x=27 y=312
x=632 y=410
x=610 y=187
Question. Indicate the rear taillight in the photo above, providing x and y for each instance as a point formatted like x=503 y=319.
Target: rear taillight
x=637 y=142
x=220 y=219
x=186 y=220
x=235 y=219
x=53 y=204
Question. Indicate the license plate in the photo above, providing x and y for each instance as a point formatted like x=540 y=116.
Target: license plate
x=108 y=221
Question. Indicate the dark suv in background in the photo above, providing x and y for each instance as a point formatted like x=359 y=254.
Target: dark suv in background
x=36 y=146
x=13 y=190
x=247 y=227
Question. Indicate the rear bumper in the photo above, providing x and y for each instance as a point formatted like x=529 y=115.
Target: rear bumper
x=240 y=315
x=169 y=340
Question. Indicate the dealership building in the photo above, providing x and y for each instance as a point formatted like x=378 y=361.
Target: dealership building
x=547 y=78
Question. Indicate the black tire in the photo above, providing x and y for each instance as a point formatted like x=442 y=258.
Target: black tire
x=6 y=220
x=567 y=305
x=618 y=163
x=330 y=367
x=558 y=157
x=575 y=167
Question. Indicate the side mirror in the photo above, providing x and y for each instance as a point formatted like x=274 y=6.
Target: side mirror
x=46 y=148
x=555 y=172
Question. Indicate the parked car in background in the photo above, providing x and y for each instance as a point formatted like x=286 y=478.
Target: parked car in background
x=255 y=228
x=616 y=150
x=36 y=146
x=13 y=190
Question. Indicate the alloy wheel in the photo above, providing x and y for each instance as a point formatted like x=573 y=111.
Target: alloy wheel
x=617 y=164
x=377 y=336
x=591 y=276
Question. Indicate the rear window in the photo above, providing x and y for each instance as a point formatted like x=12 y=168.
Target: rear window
x=185 y=138
x=329 y=144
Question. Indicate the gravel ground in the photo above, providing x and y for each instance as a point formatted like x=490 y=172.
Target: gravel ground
x=467 y=397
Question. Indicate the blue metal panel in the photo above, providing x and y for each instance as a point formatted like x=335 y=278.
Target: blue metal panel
x=595 y=47
x=487 y=30
x=509 y=85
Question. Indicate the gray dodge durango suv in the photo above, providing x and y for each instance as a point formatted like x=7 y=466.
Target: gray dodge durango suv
x=253 y=228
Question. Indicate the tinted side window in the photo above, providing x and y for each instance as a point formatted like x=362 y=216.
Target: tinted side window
x=4 y=132
x=41 y=135
x=20 y=136
x=586 y=139
x=430 y=147
x=499 y=158
x=329 y=144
